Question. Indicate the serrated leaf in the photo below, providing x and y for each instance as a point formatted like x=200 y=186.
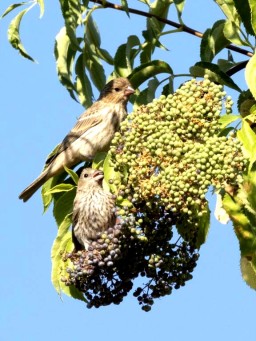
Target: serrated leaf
x=120 y=62
x=225 y=120
x=215 y=74
x=145 y=71
x=160 y=8
x=242 y=213
x=250 y=75
x=11 y=8
x=72 y=14
x=187 y=230
x=14 y=34
x=179 y=4
x=90 y=57
x=124 y=57
x=63 y=232
x=148 y=94
x=232 y=32
x=60 y=188
x=94 y=67
x=83 y=84
x=64 y=206
x=253 y=17
x=213 y=41
x=98 y=160
x=248 y=270
x=104 y=55
x=229 y=9
x=72 y=174
x=203 y=227
x=244 y=11
x=125 y=7
x=41 y=5
x=62 y=244
x=248 y=138
x=65 y=55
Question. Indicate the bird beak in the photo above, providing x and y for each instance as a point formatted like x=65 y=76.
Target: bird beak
x=129 y=91
x=98 y=175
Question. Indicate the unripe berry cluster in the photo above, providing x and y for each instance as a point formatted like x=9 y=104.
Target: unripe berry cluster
x=171 y=149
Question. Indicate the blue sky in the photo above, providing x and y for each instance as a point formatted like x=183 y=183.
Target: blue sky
x=36 y=113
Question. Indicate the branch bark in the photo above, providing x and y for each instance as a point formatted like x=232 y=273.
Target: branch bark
x=183 y=28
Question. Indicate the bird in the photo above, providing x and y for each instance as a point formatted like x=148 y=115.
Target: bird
x=93 y=209
x=92 y=133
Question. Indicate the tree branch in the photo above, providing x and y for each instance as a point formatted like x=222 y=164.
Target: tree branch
x=183 y=28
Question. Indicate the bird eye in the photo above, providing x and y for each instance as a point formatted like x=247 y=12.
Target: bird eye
x=117 y=89
x=85 y=175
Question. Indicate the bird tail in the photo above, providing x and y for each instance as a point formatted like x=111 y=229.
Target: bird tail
x=33 y=187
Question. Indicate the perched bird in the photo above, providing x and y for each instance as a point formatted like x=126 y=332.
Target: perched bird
x=93 y=209
x=92 y=133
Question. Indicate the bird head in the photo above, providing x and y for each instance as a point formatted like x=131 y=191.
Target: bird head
x=117 y=90
x=90 y=175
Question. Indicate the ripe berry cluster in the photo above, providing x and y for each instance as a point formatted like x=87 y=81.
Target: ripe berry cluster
x=167 y=153
x=134 y=247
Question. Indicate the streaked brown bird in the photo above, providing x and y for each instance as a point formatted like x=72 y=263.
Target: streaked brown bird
x=93 y=209
x=92 y=133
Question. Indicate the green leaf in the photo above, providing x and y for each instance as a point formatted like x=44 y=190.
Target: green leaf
x=83 y=84
x=225 y=120
x=41 y=5
x=65 y=55
x=11 y=8
x=72 y=14
x=248 y=138
x=241 y=208
x=62 y=244
x=232 y=32
x=253 y=17
x=148 y=94
x=215 y=74
x=61 y=240
x=120 y=62
x=250 y=74
x=125 y=7
x=244 y=11
x=64 y=206
x=90 y=57
x=47 y=186
x=229 y=9
x=179 y=4
x=145 y=71
x=159 y=8
x=213 y=41
x=98 y=160
x=203 y=226
x=14 y=34
x=201 y=218
x=125 y=55
x=248 y=269
x=226 y=65
x=60 y=188
x=73 y=174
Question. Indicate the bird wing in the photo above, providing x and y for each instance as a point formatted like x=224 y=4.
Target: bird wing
x=90 y=118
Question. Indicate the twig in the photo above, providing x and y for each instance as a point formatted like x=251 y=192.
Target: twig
x=183 y=28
